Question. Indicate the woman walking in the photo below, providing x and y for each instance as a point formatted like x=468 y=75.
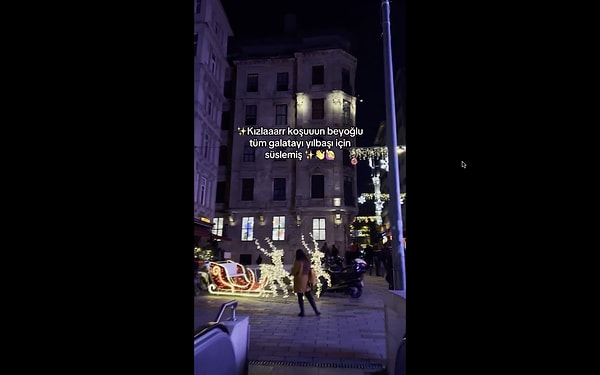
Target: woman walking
x=300 y=271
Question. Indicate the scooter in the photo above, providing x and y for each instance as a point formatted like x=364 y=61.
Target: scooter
x=348 y=280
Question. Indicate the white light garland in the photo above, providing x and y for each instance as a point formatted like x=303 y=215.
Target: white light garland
x=316 y=260
x=273 y=276
x=364 y=153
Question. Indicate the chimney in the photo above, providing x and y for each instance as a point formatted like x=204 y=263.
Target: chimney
x=289 y=23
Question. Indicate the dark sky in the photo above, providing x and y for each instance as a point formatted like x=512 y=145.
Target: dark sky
x=362 y=19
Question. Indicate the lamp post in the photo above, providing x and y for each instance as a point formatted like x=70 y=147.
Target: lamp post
x=399 y=269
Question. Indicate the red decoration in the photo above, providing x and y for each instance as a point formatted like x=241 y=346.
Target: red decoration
x=353 y=161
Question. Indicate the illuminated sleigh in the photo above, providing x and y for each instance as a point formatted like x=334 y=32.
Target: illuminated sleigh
x=233 y=278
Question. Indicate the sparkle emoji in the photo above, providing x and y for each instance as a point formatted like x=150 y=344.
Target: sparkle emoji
x=329 y=155
x=319 y=154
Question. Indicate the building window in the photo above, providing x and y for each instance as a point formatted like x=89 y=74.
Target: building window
x=252 y=83
x=317 y=186
x=203 y=191
x=248 y=152
x=209 y=105
x=281 y=114
x=247 y=189
x=349 y=199
x=225 y=118
x=195 y=44
x=248 y=228
x=206 y=146
x=279 y=189
x=278 y=228
x=198 y=6
x=347 y=120
x=228 y=89
x=213 y=62
x=318 y=109
x=220 y=196
x=318 y=228
x=251 y=115
x=282 y=81
x=222 y=155
x=346 y=87
x=217 y=226
x=196 y=187
x=218 y=32
x=318 y=75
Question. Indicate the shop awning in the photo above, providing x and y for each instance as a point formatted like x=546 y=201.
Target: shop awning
x=202 y=231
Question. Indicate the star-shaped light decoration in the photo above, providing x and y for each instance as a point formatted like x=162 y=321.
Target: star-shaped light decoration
x=362 y=199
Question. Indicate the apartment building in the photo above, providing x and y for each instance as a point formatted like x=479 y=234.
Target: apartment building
x=211 y=33
x=285 y=170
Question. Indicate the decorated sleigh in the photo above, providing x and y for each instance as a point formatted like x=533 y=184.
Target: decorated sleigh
x=230 y=277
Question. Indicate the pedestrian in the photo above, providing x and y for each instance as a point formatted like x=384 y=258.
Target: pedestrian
x=369 y=258
x=325 y=249
x=259 y=259
x=334 y=251
x=301 y=271
x=378 y=258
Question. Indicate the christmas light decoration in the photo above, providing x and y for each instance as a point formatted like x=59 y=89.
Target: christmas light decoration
x=231 y=278
x=371 y=196
x=272 y=276
x=316 y=260
x=364 y=153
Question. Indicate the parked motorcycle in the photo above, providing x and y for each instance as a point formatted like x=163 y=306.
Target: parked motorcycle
x=347 y=280
x=334 y=264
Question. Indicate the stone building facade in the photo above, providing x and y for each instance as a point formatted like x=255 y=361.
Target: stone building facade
x=211 y=33
x=288 y=173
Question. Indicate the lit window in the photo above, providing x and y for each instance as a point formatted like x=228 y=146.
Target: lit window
x=218 y=226
x=318 y=230
x=248 y=228
x=278 y=228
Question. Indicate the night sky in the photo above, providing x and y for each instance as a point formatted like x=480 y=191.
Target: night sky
x=362 y=21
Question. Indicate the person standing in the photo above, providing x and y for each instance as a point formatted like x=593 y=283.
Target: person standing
x=334 y=251
x=259 y=260
x=325 y=249
x=301 y=271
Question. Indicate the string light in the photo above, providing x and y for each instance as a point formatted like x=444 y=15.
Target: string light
x=364 y=153
x=382 y=197
x=272 y=276
x=316 y=260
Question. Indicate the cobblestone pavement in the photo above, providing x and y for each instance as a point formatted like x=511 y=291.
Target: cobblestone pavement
x=348 y=337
